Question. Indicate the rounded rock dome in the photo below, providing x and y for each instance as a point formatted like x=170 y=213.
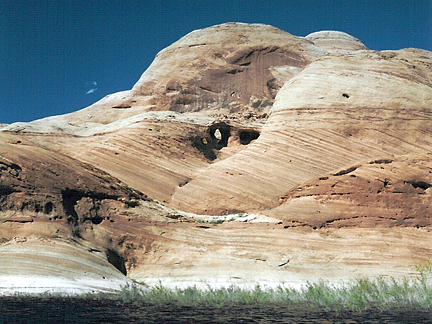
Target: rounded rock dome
x=335 y=41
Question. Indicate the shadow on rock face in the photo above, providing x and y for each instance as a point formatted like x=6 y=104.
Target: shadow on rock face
x=116 y=260
x=247 y=136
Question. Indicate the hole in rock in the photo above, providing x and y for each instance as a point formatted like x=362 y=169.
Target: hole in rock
x=247 y=136
x=215 y=138
x=116 y=260
x=346 y=171
x=419 y=184
x=220 y=133
x=69 y=199
x=122 y=106
x=48 y=207
x=345 y=95
x=386 y=182
x=235 y=71
x=6 y=190
x=184 y=183
x=96 y=220
x=381 y=161
x=132 y=203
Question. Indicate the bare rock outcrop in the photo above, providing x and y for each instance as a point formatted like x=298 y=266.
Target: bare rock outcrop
x=227 y=67
x=44 y=183
x=37 y=265
x=334 y=113
x=243 y=155
x=336 y=41
x=388 y=193
x=45 y=194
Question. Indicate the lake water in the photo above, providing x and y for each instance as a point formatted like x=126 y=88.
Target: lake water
x=69 y=310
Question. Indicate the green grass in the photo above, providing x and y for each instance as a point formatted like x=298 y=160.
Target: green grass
x=363 y=294
x=384 y=293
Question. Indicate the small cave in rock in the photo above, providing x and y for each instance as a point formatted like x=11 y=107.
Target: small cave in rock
x=122 y=105
x=116 y=260
x=6 y=190
x=381 y=161
x=247 y=136
x=48 y=208
x=235 y=71
x=346 y=171
x=97 y=219
x=419 y=184
x=69 y=200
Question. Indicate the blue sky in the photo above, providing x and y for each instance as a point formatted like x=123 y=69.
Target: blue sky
x=59 y=56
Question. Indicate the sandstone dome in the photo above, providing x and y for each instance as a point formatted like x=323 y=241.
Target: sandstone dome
x=227 y=67
x=243 y=154
x=336 y=41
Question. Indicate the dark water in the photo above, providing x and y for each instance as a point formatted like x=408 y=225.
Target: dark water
x=68 y=310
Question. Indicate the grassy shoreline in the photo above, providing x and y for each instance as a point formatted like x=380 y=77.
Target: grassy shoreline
x=383 y=294
x=360 y=295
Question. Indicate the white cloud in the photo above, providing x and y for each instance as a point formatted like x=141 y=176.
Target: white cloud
x=92 y=86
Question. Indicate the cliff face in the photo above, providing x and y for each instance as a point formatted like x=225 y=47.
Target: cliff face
x=243 y=154
x=342 y=109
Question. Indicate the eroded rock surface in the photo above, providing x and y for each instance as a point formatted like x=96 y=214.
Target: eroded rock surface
x=243 y=155
x=333 y=114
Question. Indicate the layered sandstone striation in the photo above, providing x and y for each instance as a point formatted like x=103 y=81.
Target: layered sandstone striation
x=243 y=155
x=333 y=114
x=336 y=41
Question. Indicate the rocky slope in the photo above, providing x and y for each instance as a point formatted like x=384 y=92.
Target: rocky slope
x=243 y=154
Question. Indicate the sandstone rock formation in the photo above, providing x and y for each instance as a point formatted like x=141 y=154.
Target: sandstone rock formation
x=333 y=114
x=242 y=155
x=336 y=41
